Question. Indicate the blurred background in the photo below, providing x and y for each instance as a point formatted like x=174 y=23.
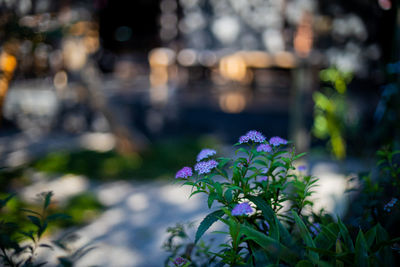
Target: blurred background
x=120 y=94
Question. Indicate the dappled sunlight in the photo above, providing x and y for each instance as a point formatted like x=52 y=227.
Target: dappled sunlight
x=63 y=187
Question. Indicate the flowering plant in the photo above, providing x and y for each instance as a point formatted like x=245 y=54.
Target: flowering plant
x=264 y=203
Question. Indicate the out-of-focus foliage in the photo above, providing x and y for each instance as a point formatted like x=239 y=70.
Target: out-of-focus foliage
x=159 y=161
x=21 y=238
x=331 y=110
x=377 y=200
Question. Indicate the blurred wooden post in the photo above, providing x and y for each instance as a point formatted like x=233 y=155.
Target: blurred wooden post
x=301 y=89
x=302 y=84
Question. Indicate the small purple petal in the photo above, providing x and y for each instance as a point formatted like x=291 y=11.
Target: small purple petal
x=262 y=179
x=242 y=209
x=390 y=204
x=264 y=148
x=302 y=168
x=315 y=228
x=277 y=141
x=252 y=135
x=185 y=172
x=179 y=261
x=205 y=166
x=205 y=153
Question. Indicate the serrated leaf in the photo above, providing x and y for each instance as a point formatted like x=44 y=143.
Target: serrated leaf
x=206 y=223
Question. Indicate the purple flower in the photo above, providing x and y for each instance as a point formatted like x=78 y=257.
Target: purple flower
x=205 y=153
x=262 y=179
x=388 y=207
x=302 y=168
x=179 y=261
x=185 y=172
x=253 y=135
x=242 y=209
x=277 y=141
x=315 y=228
x=264 y=148
x=205 y=166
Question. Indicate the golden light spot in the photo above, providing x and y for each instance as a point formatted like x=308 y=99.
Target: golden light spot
x=7 y=62
x=256 y=59
x=60 y=80
x=232 y=102
x=285 y=60
x=233 y=67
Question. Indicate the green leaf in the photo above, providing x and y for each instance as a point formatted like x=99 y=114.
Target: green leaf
x=58 y=216
x=327 y=237
x=305 y=234
x=3 y=202
x=345 y=235
x=222 y=162
x=261 y=162
x=304 y=263
x=35 y=220
x=272 y=247
x=272 y=220
x=196 y=192
x=218 y=188
x=241 y=150
x=47 y=199
x=30 y=211
x=370 y=236
x=382 y=237
x=211 y=199
x=207 y=222
x=361 y=255
x=228 y=195
x=299 y=155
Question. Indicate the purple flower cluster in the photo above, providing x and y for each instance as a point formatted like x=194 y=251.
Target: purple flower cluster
x=277 y=141
x=302 y=168
x=388 y=207
x=262 y=179
x=205 y=153
x=205 y=166
x=179 y=261
x=253 y=135
x=185 y=172
x=264 y=148
x=242 y=209
x=315 y=228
